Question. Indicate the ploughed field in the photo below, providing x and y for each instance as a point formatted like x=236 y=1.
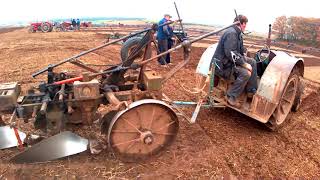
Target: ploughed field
x=223 y=142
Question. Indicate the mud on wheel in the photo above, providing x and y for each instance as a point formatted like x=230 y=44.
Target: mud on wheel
x=286 y=102
x=142 y=130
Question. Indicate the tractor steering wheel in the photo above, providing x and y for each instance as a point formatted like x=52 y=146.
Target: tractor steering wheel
x=263 y=54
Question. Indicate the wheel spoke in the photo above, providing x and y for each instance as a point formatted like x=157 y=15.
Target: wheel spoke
x=118 y=131
x=126 y=142
x=138 y=114
x=274 y=114
x=129 y=146
x=161 y=115
x=167 y=125
x=132 y=125
x=164 y=134
x=152 y=117
x=282 y=109
x=286 y=100
x=290 y=90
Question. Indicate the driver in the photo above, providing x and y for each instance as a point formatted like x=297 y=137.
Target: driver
x=244 y=69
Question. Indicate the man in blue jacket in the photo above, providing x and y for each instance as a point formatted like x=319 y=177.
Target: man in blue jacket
x=244 y=69
x=78 y=24
x=164 y=35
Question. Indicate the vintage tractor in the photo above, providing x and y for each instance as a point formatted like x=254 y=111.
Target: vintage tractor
x=64 y=26
x=279 y=86
x=40 y=26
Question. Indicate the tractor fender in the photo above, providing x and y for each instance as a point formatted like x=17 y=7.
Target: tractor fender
x=205 y=60
x=272 y=83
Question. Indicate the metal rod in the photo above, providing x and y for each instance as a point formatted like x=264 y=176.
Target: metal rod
x=119 y=68
x=66 y=81
x=20 y=144
x=94 y=49
x=269 y=37
x=189 y=103
x=80 y=64
x=175 y=5
x=178 y=66
x=212 y=32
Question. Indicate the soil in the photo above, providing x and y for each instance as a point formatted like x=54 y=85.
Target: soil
x=221 y=144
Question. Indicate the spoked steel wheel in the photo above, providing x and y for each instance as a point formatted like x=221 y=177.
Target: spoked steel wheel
x=285 y=103
x=142 y=130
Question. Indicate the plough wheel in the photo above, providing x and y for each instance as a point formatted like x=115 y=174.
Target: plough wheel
x=143 y=129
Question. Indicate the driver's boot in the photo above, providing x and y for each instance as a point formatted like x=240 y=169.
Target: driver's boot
x=233 y=101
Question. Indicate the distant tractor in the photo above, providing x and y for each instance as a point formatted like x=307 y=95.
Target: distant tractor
x=64 y=26
x=67 y=25
x=41 y=26
x=86 y=24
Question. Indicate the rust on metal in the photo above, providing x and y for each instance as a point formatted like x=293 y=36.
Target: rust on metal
x=142 y=130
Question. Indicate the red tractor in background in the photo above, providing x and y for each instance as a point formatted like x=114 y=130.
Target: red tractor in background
x=41 y=26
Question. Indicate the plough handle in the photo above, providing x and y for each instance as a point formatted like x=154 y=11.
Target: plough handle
x=20 y=144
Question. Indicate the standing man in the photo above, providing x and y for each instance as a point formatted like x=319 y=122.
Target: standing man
x=244 y=69
x=78 y=24
x=163 y=35
x=74 y=24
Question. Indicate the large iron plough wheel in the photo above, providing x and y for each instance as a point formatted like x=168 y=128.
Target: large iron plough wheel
x=285 y=103
x=143 y=129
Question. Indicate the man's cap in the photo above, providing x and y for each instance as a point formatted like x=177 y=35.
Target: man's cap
x=168 y=15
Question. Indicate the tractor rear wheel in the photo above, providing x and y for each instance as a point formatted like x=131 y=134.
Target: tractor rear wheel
x=45 y=27
x=286 y=102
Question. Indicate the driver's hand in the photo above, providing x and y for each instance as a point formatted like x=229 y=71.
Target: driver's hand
x=247 y=66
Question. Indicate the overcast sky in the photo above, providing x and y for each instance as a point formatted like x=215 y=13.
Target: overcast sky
x=259 y=13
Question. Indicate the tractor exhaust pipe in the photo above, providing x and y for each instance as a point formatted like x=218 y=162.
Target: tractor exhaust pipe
x=269 y=37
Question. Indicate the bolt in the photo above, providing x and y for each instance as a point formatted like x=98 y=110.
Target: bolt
x=148 y=140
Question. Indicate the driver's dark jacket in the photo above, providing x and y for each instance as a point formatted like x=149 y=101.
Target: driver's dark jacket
x=231 y=40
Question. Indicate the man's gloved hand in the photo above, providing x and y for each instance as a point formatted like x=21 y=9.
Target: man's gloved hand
x=247 y=66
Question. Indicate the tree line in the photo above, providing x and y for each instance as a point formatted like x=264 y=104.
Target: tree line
x=298 y=29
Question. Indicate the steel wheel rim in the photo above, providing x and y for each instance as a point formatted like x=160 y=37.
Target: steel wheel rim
x=286 y=101
x=142 y=131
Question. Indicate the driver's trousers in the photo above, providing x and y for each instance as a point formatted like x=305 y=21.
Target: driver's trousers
x=244 y=80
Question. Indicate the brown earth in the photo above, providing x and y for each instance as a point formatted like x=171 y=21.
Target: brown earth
x=223 y=142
